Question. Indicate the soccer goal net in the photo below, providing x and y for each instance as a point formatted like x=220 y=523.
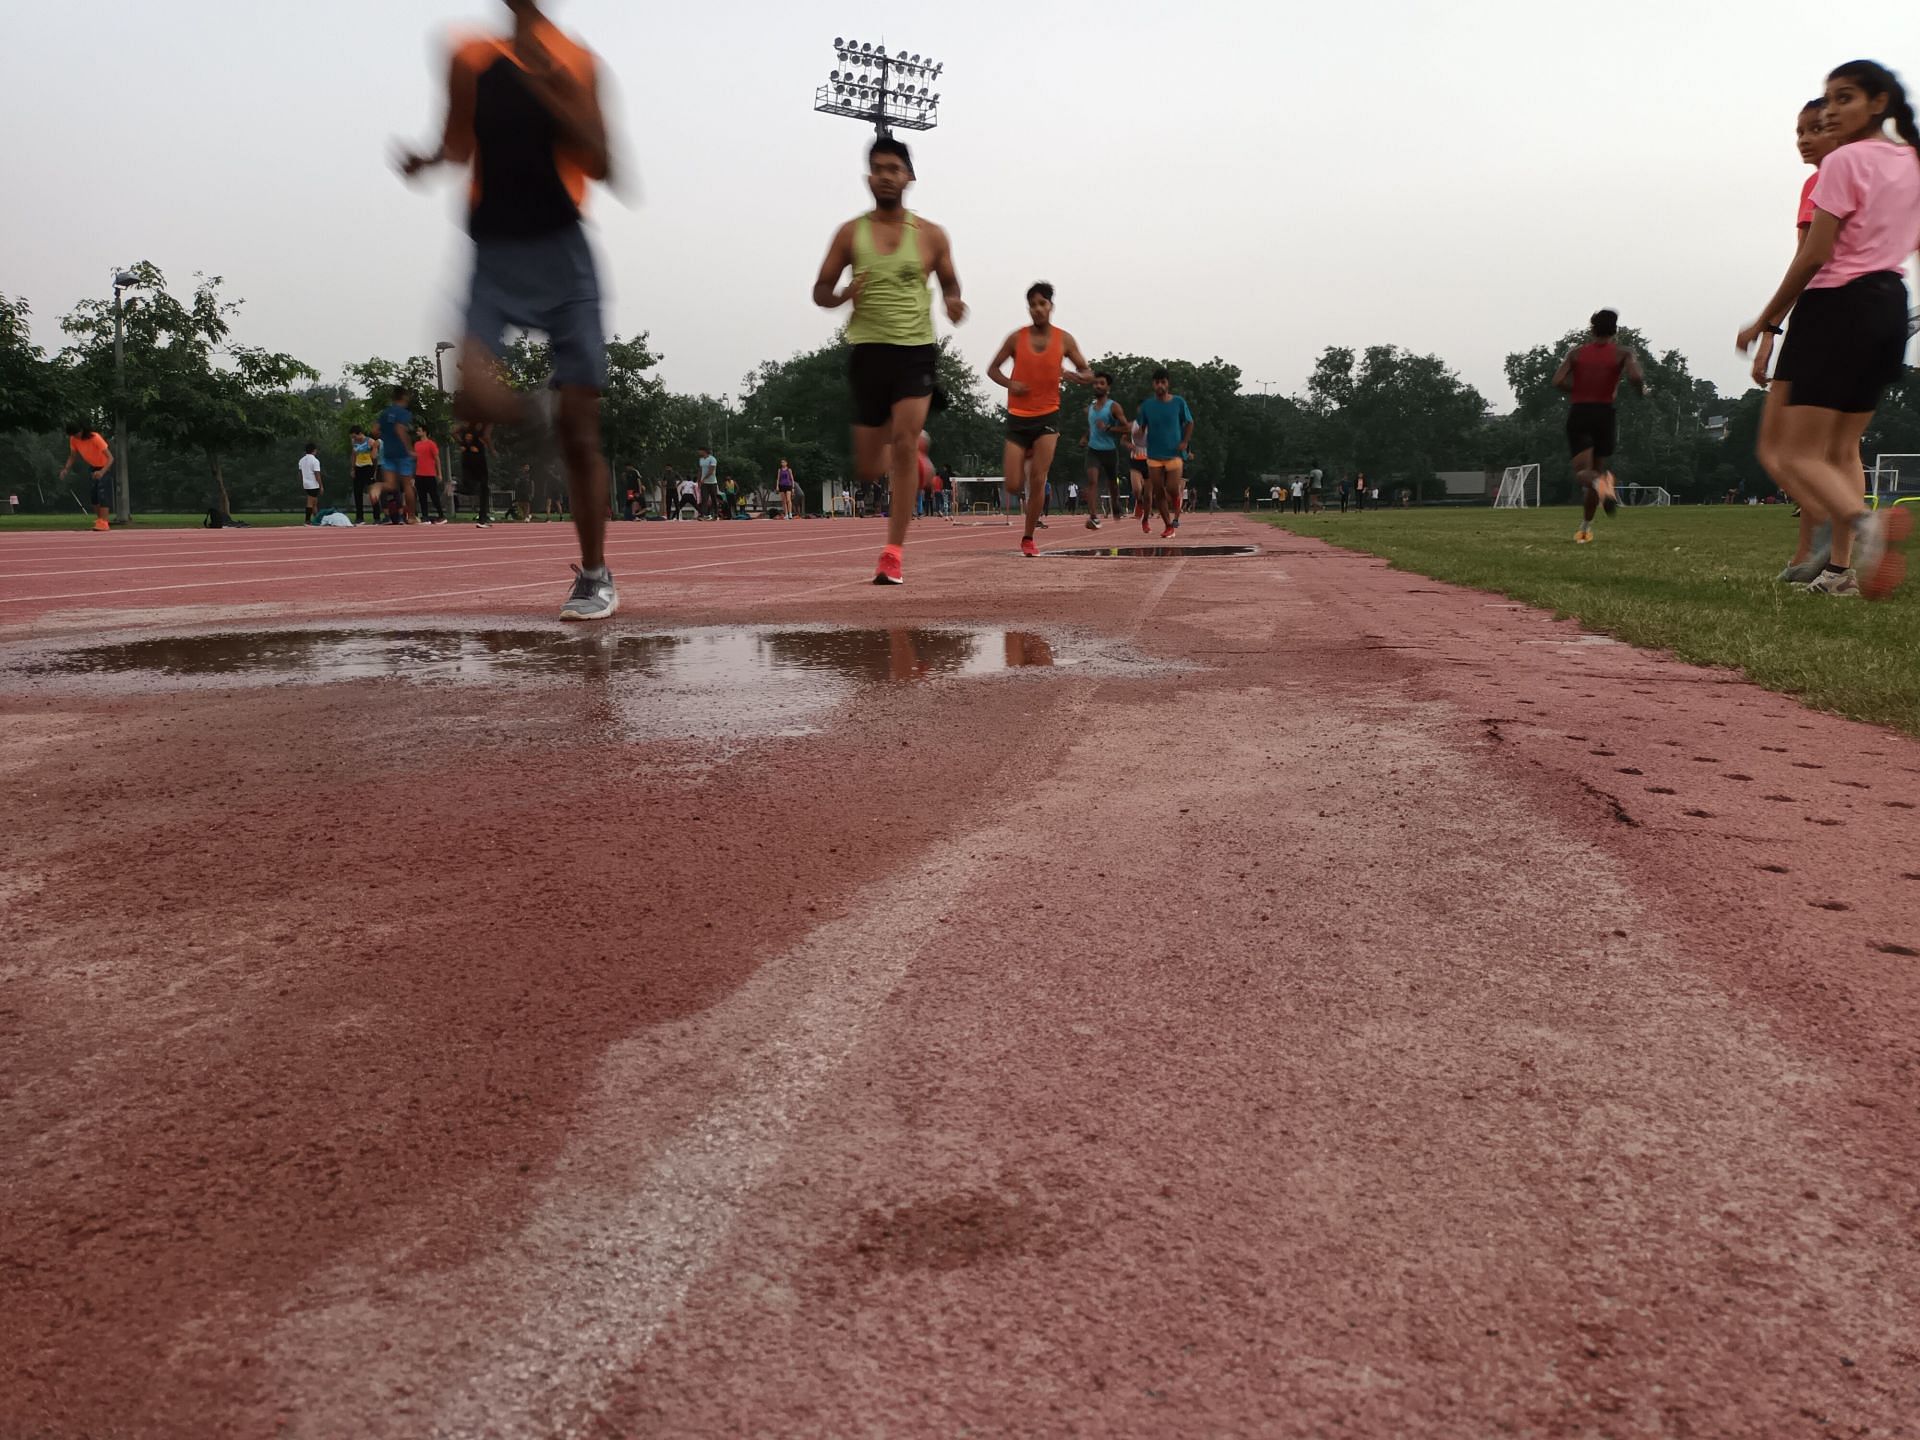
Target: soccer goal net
x=1644 y=495
x=981 y=500
x=1519 y=488
x=1895 y=480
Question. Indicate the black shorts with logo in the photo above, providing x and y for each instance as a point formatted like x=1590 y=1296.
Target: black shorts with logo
x=1591 y=427
x=883 y=375
x=1026 y=430
x=1107 y=462
x=1847 y=344
x=1138 y=465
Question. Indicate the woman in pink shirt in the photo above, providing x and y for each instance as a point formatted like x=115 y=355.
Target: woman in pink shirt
x=1814 y=141
x=1847 y=292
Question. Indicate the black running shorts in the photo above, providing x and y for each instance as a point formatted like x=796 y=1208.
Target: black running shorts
x=883 y=375
x=1591 y=427
x=103 y=488
x=1107 y=462
x=1847 y=344
x=1026 y=430
x=1138 y=465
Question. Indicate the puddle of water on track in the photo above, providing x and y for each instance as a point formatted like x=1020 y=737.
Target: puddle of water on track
x=730 y=658
x=1153 y=552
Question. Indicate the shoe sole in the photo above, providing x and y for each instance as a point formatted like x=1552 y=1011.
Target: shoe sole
x=613 y=607
x=888 y=580
x=1891 y=568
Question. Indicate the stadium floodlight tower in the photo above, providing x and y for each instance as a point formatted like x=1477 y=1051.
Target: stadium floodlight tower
x=889 y=92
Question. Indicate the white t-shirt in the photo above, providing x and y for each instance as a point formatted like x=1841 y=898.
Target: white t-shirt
x=709 y=465
x=1298 y=486
x=1073 y=491
x=689 y=487
x=309 y=472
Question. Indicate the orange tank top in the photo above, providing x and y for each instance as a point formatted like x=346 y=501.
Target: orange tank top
x=1040 y=373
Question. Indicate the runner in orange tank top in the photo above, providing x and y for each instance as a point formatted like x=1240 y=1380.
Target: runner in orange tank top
x=1039 y=354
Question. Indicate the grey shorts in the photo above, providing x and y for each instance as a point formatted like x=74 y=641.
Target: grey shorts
x=546 y=283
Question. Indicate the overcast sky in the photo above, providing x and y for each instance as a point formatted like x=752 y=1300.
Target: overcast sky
x=1250 y=180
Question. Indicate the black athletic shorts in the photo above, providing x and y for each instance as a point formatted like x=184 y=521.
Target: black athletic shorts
x=1591 y=427
x=1847 y=344
x=1138 y=465
x=1026 y=430
x=473 y=473
x=1107 y=462
x=103 y=487
x=883 y=375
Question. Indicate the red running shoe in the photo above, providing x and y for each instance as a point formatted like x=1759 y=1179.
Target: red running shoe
x=888 y=572
x=1027 y=547
x=1167 y=534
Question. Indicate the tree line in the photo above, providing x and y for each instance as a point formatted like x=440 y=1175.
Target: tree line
x=218 y=422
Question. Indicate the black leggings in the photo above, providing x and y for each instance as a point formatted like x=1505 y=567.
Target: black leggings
x=426 y=489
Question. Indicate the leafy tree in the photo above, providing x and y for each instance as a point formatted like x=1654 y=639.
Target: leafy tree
x=1393 y=414
x=32 y=387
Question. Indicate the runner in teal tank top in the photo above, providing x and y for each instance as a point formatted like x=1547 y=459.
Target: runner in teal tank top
x=1106 y=427
x=894 y=360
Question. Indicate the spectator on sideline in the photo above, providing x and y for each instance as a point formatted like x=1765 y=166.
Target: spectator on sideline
x=365 y=470
x=630 y=487
x=426 y=476
x=474 y=442
x=689 y=489
x=706 y=499
x=310 y=482
x=783 y=482
x=1297 y=491
x=729 y=497
x=1316 y=480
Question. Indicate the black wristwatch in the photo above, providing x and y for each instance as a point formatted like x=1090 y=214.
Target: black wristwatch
x=1773 y=329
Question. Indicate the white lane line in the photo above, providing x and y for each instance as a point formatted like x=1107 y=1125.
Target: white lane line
x=533 y=1338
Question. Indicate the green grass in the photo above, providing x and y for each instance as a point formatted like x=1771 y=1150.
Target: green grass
x=1693 y=580
x=76 y=521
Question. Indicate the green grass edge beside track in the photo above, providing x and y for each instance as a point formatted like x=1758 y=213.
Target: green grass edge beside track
x=162 y=521
x=1695 y=581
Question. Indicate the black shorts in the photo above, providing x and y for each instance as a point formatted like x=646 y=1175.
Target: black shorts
x=883 y=375
x=103 y=488
x=1591 y=427
x=473 y=474
x=1026 y=430
x=1138 y=465
x=1107 y=462
x=1847 y=344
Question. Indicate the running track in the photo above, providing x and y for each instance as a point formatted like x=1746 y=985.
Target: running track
x=1340 y=1005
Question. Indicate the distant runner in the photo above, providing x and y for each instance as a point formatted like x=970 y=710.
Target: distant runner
x=1169 y=423
x=1106 y=427
x=85 y=445
x=1038 y=353
x=1591 y=376
x=894 y=362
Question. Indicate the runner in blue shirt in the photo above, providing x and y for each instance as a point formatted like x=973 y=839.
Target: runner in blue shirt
x=1106 y=424
x=1169 y=424
x=396 y=454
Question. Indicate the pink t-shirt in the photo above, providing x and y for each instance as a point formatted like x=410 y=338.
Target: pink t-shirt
x=1873 y=188
x=1806 y=199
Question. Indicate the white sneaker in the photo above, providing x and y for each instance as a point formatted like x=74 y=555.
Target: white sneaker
x=1834 y=582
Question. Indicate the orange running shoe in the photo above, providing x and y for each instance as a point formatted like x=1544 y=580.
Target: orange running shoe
x=1878 y=560
x=1027 y=547
x=888 y=572
x=101 y=525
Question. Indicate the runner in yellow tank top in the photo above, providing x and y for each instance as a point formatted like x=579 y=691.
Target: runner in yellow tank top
x=894 y=361
x=1039 y=354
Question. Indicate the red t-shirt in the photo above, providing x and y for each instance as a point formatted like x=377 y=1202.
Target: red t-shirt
x=426 y=458
x=91 y=449
x=1806 y=198
x=1597 y=368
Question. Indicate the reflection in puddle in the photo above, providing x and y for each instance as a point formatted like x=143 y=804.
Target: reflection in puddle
x=1154 y=552
x=723 y=659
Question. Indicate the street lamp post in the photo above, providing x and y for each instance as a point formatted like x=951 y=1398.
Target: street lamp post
x=781 y=421
x=440 y=375
x=882 y=90
x=122 y=442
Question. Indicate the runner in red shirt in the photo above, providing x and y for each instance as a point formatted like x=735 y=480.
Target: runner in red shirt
x=1591 y=376
x=426 y=477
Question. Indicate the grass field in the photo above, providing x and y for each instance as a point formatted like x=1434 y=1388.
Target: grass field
x=1696 y=581
x=162 y=521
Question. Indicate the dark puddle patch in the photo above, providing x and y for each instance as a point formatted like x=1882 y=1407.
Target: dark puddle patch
x=1774 y=749
x=1776 y=869
x=1854 y=784
x=1736 y=775
x=1899 y=804
x=1661 y=790
x=1700 y=814
x=1153 y=552
x=1888 y=948
x=1779 y=799
x=720 y=660
x=1807 y=765
x=1829 y=905
x=1830 y=824
x=1631 y=770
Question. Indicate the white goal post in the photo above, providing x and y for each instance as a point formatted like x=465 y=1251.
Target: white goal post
x=1894 y=480
x=1643 y=495
x=980 y=500
x=1515 y=482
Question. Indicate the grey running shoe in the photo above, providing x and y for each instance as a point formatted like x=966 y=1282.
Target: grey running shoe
x=1834 y=582
x=1808 y=569
x=593 y=596
x=1869 y=540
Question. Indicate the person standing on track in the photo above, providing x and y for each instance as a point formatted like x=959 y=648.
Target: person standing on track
x=396 y=454
x=894 y=363
x=1038 y=352
x=364 y=472
x=1815 y=542
x=86 y=445
x=474 y=442
x=310 y=482
x=706 y=501
x=1169 y=423
x=783 y=482
x=426 y=476
x=1591 y=374
x=523 y=111
x=1106 y=424
x=1847 y=292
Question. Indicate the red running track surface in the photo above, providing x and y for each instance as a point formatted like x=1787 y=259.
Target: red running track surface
x=1340 y=1004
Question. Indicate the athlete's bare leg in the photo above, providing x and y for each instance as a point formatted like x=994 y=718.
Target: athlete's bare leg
x=1813 y=450
x=588 y=479
x=895 y=452
x=1767 y=452
x=1039 y=463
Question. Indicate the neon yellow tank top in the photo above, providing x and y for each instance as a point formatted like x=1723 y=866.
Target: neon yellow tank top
x=895 y=305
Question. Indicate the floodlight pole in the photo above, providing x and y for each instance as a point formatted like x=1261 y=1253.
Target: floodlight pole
x=879 y=100
x=122 y=442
